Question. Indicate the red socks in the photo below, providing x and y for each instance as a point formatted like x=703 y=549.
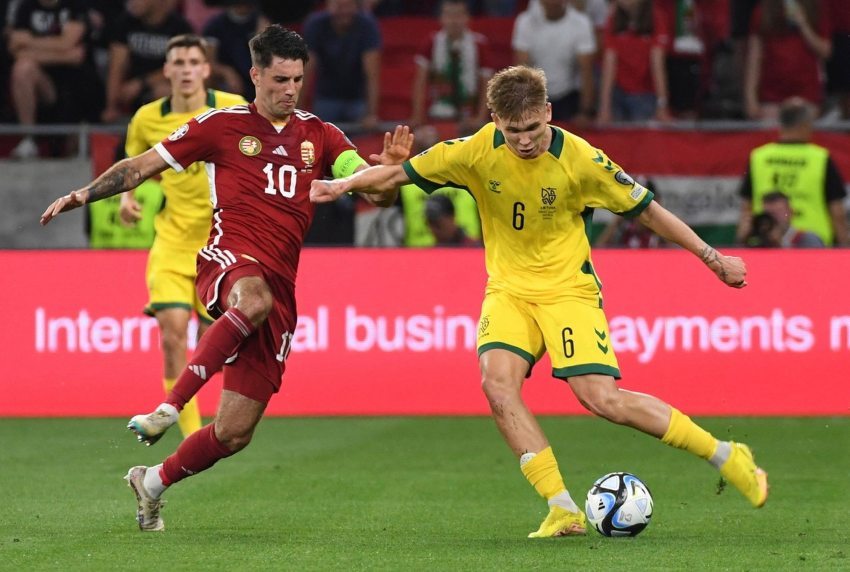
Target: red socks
x=219 y=343
x=198 y=452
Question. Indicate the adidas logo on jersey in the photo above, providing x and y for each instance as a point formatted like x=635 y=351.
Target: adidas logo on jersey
x=279 y=150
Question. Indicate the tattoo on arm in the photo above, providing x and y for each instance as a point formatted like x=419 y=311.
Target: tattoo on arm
x=710 y=256
x=119 y=178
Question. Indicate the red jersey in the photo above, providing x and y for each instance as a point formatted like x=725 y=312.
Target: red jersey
x=789 y=67
x=634 y=73
x=259 y=178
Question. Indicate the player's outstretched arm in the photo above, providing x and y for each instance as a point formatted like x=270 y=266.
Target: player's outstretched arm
x=381 y=179
x=397 y=147
x=122 y=176
x=730 y=269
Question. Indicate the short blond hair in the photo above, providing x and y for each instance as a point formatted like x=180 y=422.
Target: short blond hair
x=515 y=91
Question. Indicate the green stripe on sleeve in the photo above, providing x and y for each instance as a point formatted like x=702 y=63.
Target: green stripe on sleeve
x=641 y=206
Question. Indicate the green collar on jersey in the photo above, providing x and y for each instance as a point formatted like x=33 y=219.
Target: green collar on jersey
x=165 y=108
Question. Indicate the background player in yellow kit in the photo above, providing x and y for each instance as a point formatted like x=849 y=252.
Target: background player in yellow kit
x=182 y=227
x=536 y=186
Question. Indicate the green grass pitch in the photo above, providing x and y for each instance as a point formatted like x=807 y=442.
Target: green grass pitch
x=414 y=494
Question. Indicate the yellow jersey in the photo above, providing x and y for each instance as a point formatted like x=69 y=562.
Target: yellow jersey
x=535 y=213
x=184 y=221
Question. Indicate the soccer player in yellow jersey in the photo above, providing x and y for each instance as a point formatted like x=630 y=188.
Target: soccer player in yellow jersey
x=183 y=225
x=536 y=186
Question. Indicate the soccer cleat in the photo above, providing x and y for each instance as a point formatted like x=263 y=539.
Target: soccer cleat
x=561 y=522
x=147 y=513
x=740 y=469
x=151 y=427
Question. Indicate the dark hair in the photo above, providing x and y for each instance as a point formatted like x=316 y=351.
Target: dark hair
x=438 y=206
x=188 y=41
x=795 y=112
x=643 y=20
x=775 y=196
x=276 y=40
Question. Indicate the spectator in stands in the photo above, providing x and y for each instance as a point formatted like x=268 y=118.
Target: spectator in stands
x=136 y=52
x=596 y=10
x=803 y=172
x=289 y=14
x=772 y=228
x=788 y=43
x=52 y=65
x=838 y=65
x=228 y=34
x=440 y=215
x=102 y=15
x=345 y=47
x=560 y=40
x=453 y=67
x=634 y=79
x=6 y=14
x=695 y=27
x=413 y=199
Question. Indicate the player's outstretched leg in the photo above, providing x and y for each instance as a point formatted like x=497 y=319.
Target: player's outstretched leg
x=600 y=395
x=216 y=346
x=150 y=427
x=147 y=513
x=734 y=460
x=741 y=471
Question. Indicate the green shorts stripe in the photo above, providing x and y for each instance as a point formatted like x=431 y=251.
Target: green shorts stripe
x=152 y=309
x=503 y=346
x=584 y=369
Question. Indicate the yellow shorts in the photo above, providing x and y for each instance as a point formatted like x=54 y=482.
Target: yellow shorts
x=170 y=277
x=575 y=333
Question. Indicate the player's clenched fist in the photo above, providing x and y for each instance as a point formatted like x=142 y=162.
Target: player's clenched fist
x=69 y=202
x=326 y=191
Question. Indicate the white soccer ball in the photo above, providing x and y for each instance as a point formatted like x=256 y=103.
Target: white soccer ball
x=619 y=504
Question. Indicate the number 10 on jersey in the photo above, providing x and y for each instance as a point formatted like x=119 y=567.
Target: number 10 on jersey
x=286 y=191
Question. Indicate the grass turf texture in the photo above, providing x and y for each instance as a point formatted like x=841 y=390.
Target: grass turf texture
x=414 y=493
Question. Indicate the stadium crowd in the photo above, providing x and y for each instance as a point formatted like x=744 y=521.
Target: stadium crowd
x=379 y=61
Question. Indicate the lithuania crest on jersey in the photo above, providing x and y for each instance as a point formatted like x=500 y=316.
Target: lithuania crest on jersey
x=548 y=195
x=308 y=153
x=250 y=146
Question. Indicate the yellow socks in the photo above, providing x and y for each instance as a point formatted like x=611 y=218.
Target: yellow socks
x=687 y=435
x=190 y=416
x=543 y=474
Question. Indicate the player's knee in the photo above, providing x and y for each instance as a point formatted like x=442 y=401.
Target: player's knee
x=174 y=341
x=256 y=304
x=234 y=438
x=604 y=402
x=499 y=386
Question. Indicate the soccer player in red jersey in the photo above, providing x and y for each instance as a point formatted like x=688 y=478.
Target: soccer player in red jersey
x=260 y=160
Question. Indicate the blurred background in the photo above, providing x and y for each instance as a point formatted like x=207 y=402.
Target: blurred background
x=679 y=92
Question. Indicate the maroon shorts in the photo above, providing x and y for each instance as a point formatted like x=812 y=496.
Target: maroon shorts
x=256 y=371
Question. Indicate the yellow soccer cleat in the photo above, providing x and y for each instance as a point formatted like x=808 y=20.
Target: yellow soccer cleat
x=740 y=469
x=561 y=522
